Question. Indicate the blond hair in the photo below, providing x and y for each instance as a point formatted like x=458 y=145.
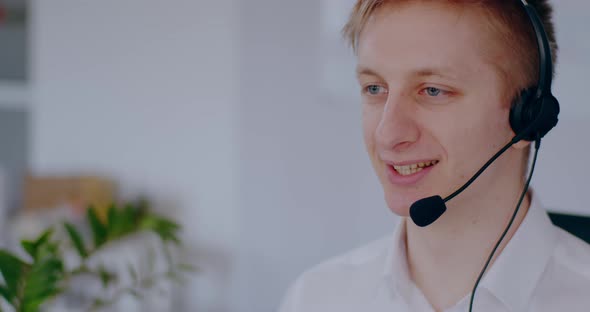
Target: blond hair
x=505 y=17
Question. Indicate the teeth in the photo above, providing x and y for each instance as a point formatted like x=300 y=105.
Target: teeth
x=413 y=168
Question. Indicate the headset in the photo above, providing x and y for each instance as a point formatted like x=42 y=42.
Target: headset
x=534 y=112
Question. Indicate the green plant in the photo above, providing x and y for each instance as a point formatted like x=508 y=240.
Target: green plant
x=31 y=283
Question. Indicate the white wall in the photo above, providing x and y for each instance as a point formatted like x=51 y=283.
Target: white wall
x=144 y=91
x=561 y=180
x=302 y=163
x=242 y=118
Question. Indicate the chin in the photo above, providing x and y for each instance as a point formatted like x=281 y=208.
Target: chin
x=399 y=204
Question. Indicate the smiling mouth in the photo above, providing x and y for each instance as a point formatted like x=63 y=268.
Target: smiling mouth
x=414 y=168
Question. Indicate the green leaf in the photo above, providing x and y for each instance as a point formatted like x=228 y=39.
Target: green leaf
x=29 y=247
x=42 y=275
x=121 y=221
x=32 y=304
x=44 y=237
x=5 y=293
x=32 y=247
x=129 y=216
x=13 y=270
x=42 y=282
x=47 y=250
x=165 y=228
x=99 y=230
x=112 y=226
x=76 y=239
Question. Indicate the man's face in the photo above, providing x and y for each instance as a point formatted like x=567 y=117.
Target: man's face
x=434 y=104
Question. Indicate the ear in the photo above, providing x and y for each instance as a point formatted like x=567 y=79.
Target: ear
x=522 y=144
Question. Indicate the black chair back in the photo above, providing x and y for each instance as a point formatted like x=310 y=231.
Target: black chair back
x=577 y=225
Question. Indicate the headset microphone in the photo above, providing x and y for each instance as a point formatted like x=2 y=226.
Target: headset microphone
x=427 y=210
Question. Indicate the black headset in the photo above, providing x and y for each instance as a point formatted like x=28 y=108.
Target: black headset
x=532 y=115
x=534 y=111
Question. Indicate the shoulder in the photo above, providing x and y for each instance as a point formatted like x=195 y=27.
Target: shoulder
x=573 y=254
x=355 y=258
x=369 y=257
x=566 y=281
x=334 y=281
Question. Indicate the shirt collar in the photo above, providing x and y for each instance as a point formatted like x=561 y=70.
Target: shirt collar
x=513 y=276
x=518 y=269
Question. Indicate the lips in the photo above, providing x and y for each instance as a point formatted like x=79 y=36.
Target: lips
x=409 y=173
x=410 y=169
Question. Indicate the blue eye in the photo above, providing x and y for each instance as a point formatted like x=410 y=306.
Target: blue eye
x=431 y=91
x=374 y=89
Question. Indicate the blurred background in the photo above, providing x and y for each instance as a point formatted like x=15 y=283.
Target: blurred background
x=238 y=119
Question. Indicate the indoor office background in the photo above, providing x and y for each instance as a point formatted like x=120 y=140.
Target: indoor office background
x=239 y=119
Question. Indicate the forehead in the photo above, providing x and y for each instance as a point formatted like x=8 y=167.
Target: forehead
x=422 y=36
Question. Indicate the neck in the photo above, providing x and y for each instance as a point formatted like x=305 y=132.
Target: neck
x=449 y=254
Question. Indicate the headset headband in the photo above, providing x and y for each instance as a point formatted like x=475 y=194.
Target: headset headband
x=545 y=59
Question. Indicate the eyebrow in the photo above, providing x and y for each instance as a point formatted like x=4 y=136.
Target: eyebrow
x=422 y=72
x=360 y=70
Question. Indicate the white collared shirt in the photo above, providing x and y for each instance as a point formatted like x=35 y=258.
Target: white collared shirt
x=541 y=269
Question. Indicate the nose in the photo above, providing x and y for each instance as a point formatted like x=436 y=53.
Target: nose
x=397 y=130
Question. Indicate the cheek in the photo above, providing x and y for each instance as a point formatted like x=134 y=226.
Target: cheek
x=470 y=134
x=477 y=138
x=494 y=130
x=370 y=121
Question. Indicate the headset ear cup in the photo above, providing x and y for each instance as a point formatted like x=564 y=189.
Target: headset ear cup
x=541 y=115
x=521 y=113
x=548 y=115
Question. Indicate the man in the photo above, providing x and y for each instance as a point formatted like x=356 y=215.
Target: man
x=438 y=79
